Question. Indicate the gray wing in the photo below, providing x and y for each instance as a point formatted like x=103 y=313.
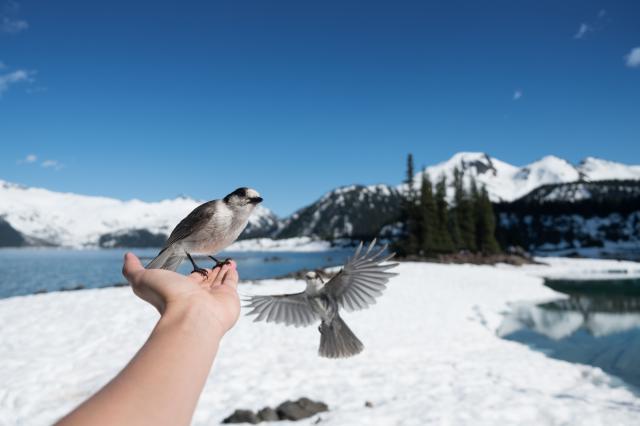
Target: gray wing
x=194 y=220
x=362 y=279
x=290 y=309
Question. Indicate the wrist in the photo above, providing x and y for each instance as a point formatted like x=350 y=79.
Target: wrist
x=193 y=316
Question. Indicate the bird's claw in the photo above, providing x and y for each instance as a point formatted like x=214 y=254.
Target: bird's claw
x=201 y=271
x=227 y=261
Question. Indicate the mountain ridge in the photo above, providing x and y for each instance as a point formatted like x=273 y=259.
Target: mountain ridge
x=45 y=217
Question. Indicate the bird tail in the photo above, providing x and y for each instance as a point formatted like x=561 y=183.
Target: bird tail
x=168 y=259
x=337 y=340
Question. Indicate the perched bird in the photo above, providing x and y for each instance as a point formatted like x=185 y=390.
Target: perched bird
x=359 y=282
x=208 y=229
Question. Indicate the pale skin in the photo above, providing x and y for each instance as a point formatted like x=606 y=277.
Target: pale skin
x=162 y=383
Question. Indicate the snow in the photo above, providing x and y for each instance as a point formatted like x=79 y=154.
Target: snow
x=506 y=182
x=564 y=267
x=62 y=219
x=432 y=355
x=599 y=169
x=297 y=244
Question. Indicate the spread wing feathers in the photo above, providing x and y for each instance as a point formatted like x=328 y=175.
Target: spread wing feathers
x=194 y=220
x=290 y=309
x=363 y=278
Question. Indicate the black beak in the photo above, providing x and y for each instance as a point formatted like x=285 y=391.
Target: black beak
x=256 y=200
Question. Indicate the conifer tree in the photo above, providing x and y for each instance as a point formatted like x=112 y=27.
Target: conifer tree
x=409 y=177
x=429 y=221
x=466 y=215
x=454 y=211
x=410 y=244
x=442 y=236
x=486 y=224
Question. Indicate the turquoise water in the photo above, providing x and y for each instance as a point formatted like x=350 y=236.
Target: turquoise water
x=596 y=328
x=28 y=271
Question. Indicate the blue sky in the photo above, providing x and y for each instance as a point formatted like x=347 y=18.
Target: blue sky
x=151 y=99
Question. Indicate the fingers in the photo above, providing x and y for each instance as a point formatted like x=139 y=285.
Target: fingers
x=210 y=278
x=231 y=277
x=223 y=271
x=132 y=267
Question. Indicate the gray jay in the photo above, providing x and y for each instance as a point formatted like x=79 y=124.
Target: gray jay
x=208 y=229
x=359 y=282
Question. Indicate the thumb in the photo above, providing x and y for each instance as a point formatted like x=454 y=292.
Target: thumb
x=132 y=266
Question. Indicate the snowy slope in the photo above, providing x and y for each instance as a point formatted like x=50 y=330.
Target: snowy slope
x=598 y=169
x=47 y=217
x=354 y=211
x=78 y=220
x=506 y=182
x=431 y=356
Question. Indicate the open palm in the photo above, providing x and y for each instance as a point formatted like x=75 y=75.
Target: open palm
x=162 y=288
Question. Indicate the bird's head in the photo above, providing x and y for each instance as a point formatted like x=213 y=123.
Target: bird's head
x=315 y=280
x=243 y=198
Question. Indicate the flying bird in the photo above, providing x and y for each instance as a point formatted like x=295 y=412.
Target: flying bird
x=355 y=287
x=208 y=229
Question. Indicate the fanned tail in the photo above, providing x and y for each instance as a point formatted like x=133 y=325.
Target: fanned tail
x=337 y=340
x=168 y=259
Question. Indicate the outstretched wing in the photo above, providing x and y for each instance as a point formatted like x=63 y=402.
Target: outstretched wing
x=363 y=278
x=290 y=309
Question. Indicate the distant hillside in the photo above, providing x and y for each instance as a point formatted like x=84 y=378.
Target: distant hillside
x=575 y=215
x=354 y=211
x=45 y=217
x=42 y=217
x=9 y=237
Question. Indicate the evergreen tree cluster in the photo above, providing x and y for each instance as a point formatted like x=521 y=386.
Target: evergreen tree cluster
x=434 y=227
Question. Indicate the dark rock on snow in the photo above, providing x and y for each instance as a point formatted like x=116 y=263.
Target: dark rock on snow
x=242 y=416
x=288 y=410
x=268 y=414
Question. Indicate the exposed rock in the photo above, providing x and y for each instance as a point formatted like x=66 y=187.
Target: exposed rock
x=368 y=404
x=132 y=238
x=300 y=409
x=9 y=237
x=242 y=416
x=312 y=406
x=262 y=223
x=355 y=211
x=288 y=410
x=268 y=414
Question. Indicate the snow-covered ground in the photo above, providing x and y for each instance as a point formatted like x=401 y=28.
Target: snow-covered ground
x=432 y=356
x=297 y=244
x=564 y=267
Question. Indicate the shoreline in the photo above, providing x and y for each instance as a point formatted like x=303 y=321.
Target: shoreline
x=440 y=351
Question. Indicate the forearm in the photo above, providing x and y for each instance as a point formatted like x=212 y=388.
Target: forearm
x=162 y=383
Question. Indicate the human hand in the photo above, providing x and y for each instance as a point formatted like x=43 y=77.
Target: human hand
x=168 y=290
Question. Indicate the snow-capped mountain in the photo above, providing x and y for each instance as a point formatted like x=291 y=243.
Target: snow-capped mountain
x=599 y=218
x=598 y=169
x=602 y=191
x=353 y=211
x=43 y=217
x=506 y=182
x=66 y=219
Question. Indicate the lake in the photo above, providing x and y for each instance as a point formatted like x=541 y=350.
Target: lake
x=597 y=325
x=31 y=270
